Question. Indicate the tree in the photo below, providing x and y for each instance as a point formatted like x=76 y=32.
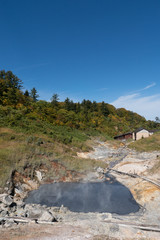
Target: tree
x=104 y=109
x=34 y=94
x=67 y=104
x=26 y=93
x=10 y=86
x=78 y=107
x=94 y=106
x=157 y=119
x=55 y=99
x=10 y=80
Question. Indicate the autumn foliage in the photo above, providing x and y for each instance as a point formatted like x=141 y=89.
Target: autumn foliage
x=18 y=108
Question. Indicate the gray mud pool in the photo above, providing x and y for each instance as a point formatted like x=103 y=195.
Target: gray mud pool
x=86 y=197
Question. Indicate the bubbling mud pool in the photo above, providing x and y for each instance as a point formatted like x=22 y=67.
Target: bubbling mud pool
x=86 y=197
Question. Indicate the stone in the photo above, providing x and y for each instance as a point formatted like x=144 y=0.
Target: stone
x=38 y=212
x=9 y=223
x=100 y=170
x=2 y=197
x=2 y=221
x=13 y=207
x=4 y=213
x=39 y=176
x=46 y=216
x=2 y=206
x=18 y=190
x=8 y=200
x=20 y=211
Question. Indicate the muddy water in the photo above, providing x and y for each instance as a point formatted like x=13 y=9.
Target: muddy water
x=111 y=197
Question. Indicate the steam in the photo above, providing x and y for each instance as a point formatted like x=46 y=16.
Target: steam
x=86 y=197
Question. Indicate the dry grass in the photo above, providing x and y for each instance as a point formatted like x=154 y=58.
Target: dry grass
x=18 y=151
x=149 y=144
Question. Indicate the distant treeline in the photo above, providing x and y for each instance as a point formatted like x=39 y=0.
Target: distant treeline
x=85 y=115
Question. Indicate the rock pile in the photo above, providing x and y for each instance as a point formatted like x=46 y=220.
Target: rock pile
x=12 y=212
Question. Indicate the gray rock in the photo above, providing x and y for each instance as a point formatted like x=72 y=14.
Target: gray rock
x=38 y=212
x=100 y=170
x=9 y=223
x=2 y=197
x=8 y=200
x=46 y=216
x=4 y=213
x=2 y=206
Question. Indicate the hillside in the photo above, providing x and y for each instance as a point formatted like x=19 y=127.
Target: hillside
x=34 y=133
x=20 y=109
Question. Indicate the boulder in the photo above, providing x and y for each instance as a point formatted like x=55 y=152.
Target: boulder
x=46 y=216
x=38 y=212
x=8 y=200
x=39 y=176
x=4 y=213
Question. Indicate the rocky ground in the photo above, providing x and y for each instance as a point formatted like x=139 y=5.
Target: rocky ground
x=29 y=221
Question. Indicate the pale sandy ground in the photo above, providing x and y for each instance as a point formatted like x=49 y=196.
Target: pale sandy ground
x=83 y=231
x=145 y=193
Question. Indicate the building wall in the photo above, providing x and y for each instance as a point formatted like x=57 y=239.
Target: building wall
x=128 y=136
x=141 y=134
x=124 y=136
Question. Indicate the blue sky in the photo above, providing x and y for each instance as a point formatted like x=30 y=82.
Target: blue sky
x=103 y=50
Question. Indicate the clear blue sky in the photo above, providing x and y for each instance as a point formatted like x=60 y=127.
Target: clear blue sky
x=103 y=50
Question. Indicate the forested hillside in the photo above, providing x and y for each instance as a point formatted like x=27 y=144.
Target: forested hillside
x=40 y=135
x=25 y=110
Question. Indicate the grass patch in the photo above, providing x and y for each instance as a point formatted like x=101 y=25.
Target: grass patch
x=149 y=144
x=81 y=164
x=27 y=152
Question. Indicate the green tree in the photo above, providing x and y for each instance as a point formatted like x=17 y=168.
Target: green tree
x=10 y=86
x=104 y=109
x=26 y=93
x=55 y=99
x=67 y=104
x=34 y=94
x=94 y=106
x=157 y=119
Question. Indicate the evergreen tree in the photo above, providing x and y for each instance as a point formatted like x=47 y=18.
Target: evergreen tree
x=94 y=106
x=67 y=104
x=104 y=109
x=78 y=107
x=55 y=99
x=157 y=119
x=34 y=94
x=10 y=86
x=26 y=93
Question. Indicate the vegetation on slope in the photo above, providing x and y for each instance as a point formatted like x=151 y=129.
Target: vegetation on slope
x=34 y=133
x=147 y=144
x=22 y=108
x=27 y=153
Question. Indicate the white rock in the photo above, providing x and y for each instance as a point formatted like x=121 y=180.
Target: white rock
x=39 y=175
